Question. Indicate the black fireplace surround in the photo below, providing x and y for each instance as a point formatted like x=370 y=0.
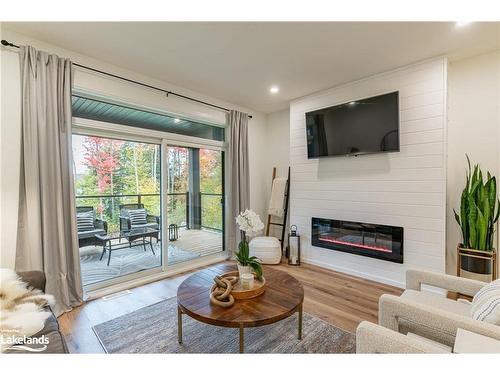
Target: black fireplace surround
x=372 y=240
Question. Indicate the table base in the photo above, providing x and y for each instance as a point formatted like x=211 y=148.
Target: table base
x=241 y=328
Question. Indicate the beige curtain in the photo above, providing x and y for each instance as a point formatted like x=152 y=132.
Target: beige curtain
x=239 y=199
x=46 y=237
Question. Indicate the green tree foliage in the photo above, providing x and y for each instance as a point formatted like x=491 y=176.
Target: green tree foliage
x=178 y=184
x=211 y=183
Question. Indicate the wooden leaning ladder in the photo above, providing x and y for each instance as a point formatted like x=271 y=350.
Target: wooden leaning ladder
x=285 y=213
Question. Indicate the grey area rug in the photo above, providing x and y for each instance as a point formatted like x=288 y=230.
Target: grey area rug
x=153 y=329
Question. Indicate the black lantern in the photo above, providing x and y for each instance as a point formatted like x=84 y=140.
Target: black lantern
x=293 y=247
x=173 y=232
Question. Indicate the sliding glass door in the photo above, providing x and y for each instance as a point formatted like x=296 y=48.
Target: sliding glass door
x=119 y=194
x=195 y=203
x=118 y=205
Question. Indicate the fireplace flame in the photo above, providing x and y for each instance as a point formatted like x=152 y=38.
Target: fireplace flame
x=368 y=247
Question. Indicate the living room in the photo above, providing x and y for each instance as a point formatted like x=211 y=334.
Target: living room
x=209 y=187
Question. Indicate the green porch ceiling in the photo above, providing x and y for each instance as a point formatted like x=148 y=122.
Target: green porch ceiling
x=119 y=114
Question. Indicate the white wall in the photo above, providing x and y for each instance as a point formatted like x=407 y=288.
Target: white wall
x=10 y=141
x=278 y=141
x=473 y=128
x=404 y=189
x=102 y=85
x=277 y=154
x=258 y=175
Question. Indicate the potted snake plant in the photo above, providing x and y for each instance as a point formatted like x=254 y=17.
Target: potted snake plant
x=250 y=225
x=479 y=212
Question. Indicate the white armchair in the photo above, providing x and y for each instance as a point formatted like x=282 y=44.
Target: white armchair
x=432 y=315
x=415 y=279
x=374 y=339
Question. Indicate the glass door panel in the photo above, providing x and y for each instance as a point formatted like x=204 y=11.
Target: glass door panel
x=195 y=203
x=117 y=186
x=211 y=190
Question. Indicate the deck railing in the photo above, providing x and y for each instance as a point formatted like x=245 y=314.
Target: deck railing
x=215 y=202
x=178 y=207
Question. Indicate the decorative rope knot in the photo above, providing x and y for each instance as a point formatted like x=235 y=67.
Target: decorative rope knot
x=220 y=293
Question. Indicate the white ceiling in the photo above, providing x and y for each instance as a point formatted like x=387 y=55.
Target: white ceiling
x=238 y=62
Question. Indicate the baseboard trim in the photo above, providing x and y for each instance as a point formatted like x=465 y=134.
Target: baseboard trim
x=351 y=272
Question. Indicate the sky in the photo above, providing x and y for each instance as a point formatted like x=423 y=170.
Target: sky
x=78 y=155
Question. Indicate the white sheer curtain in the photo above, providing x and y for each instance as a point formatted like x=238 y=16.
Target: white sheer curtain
x=46 y=237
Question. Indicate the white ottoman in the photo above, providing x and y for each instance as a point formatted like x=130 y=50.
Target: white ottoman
x=267 y=249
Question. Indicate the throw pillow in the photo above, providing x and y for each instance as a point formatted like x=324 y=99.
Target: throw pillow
x=486 y=303
x=85 y=221
x=137 y=217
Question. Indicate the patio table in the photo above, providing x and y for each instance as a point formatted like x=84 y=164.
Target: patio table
x=105 y=240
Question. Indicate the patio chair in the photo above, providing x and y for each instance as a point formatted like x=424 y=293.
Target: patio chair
x=152 y=221
x=88 y=226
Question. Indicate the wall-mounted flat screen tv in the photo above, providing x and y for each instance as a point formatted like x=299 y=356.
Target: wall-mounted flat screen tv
x=361 y=126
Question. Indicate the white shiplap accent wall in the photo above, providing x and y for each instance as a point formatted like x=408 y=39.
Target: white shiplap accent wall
x=405 y=188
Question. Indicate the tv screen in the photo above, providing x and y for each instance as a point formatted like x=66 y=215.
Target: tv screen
x=362 y=126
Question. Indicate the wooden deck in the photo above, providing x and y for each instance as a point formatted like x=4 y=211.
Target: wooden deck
x=200 y=242
x=191 y=244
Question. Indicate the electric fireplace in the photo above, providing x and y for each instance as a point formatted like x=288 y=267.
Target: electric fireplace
x=371 y=240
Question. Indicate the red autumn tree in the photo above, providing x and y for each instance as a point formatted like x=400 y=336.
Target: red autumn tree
x=101 y=155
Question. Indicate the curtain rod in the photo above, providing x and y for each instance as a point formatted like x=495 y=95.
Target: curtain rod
x=167 y=92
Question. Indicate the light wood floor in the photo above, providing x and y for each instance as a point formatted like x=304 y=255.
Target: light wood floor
x=337 y=298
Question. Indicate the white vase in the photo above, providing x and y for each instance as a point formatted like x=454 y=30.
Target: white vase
x=244 y=269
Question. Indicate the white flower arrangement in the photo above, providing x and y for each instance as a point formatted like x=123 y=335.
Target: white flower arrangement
x=249 y=222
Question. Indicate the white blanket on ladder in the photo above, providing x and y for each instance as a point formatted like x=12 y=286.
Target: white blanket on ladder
x=277 y=201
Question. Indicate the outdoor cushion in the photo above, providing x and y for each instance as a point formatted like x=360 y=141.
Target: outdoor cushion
x=90 y=233
x=137 y=217
x=85 y=221
x=486 y=303
x=438 y=301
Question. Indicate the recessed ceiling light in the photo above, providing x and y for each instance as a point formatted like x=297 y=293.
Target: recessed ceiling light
x=177 y=120
x=274 y=89
x=462 y=23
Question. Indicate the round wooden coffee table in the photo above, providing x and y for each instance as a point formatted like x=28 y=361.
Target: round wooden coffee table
x=283 y=297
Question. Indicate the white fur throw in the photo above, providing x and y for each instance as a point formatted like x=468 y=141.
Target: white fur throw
x=21 y=308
